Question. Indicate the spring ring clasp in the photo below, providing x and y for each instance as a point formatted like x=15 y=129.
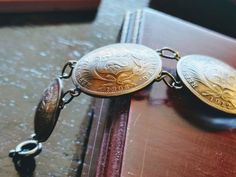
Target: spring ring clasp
x=28 y=148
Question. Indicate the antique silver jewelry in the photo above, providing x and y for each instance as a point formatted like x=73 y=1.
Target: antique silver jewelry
x=120 y=69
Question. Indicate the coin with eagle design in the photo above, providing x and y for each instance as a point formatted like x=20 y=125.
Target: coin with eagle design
x=117 y=69
x=211 y=80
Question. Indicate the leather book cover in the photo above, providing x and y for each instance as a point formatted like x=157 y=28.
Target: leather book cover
x=170 y=132
x=160 y=131
x=105 y=147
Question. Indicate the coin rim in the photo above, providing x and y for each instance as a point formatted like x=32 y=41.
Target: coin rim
x=198 y=95
x=54 y=116
x=118 y=93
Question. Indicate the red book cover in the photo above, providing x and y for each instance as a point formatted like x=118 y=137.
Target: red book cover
x=159 y=131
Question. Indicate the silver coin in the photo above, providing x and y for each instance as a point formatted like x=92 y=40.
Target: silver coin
x=117 y=69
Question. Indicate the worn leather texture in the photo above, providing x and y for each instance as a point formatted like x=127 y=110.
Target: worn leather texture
x=160 y=131
x=170 y=132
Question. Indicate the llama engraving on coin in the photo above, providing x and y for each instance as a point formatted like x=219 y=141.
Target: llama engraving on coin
x=213 y=81
x=117 y=69
x=48 y=110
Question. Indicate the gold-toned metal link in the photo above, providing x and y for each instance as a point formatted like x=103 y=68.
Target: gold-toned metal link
x=173 y=83
x=70 y=64
x=168 y=53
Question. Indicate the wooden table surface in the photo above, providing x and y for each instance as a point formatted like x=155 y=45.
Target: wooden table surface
x=33 y=49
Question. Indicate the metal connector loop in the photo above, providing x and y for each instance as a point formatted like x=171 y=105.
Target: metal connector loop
x=169 y=53
x=70 y=64
x=28 y=148
x=68 y=96
x=172 y=83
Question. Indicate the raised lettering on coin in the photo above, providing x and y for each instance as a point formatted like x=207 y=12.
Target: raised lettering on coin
x=211 y=80
x=117 y=69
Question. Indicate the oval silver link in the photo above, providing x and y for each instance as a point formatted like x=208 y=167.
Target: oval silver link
x=70 y=64
x=28 y=148
x=169 y=54
x=72 y=93
x=173 y=54
x=174 y=82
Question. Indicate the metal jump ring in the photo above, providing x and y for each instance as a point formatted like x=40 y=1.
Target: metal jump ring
x=69 y=64
x=28 y=148
x=174 y=82
x=171 y=55
x=69 y=95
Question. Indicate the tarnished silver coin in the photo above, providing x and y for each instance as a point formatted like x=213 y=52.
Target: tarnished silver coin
x=48 y=110
x=117 y=69
x=211 y=80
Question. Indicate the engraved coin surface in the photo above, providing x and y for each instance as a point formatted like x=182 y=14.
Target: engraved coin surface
x=117 y=69
x=211 y=80
x=48 y=110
